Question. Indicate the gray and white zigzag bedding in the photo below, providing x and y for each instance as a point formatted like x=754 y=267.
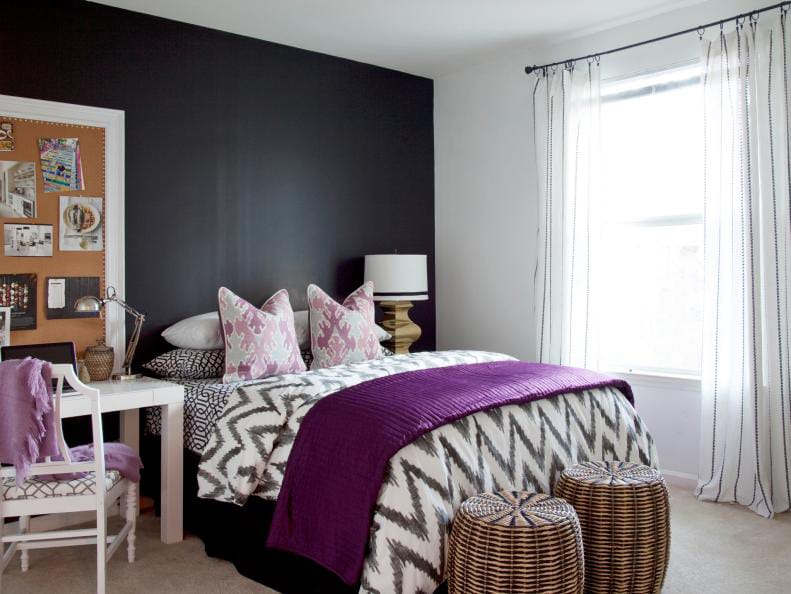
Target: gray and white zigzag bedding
x=514 y=447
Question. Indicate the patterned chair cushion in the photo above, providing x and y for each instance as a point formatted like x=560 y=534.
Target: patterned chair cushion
x=188 y=364
x=342 y=333
x=34 y=488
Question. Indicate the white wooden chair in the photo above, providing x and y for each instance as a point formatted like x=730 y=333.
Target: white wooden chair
x=96 y=491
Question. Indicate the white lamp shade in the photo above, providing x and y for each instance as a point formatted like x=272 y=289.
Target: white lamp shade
x=397 y=277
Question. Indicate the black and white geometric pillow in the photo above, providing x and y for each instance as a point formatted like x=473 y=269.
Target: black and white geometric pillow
x=188 y=364
x=307 y=357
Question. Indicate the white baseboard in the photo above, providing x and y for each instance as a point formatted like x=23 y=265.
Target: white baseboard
x=682 y=480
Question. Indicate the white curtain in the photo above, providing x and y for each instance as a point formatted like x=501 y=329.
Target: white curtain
x=746 y=427
x=566 y=115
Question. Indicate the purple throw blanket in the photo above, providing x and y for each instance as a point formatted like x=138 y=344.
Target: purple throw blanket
x=340 y=455
x=27 y=425
x=26 y=415
x=117 y=456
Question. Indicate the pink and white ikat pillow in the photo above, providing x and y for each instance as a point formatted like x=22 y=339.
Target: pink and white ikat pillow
x=258 y=342
x=342 y=333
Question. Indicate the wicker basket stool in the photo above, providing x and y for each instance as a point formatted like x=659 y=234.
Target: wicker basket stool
x=515 y=542
x=625 y=519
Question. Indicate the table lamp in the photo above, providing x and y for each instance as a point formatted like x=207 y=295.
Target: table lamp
x=399 y=279
x=93 y=304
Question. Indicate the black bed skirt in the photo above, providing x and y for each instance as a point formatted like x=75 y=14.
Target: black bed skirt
x=238 y=534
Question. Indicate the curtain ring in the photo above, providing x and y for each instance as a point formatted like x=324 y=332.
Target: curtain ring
x=740 y=22
x=701 y=31
x=597 y=58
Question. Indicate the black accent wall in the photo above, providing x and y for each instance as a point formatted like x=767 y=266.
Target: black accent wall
x=248 y=164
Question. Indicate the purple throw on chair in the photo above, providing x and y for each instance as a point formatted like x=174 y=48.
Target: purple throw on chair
x=27 y=425
x=26 y=415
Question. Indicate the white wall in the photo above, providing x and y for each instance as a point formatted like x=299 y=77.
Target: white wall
x=486 y=202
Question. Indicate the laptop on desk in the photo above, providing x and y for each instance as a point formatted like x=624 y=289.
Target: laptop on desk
x=54 y=352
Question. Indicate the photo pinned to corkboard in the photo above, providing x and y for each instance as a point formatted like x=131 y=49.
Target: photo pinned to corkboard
x=80 y=223
x=5 y=326
x=7 y=136
x=62 y=293
x=32 y=241
x=61 y=164
x=18 y=291
x=18 y=189
x=52 y=208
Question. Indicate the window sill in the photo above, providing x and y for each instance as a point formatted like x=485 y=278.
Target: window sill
x=659 y=381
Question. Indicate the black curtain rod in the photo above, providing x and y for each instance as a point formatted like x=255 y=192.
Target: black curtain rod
x=753 y=15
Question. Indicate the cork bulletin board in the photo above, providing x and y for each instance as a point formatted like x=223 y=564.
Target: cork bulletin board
x=53 y=228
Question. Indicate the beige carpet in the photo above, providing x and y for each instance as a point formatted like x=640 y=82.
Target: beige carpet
x=715 y=548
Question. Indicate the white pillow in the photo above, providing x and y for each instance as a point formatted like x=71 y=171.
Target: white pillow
x=198 y=332
x=302 y=326
x=203 y=332
x=382 y=334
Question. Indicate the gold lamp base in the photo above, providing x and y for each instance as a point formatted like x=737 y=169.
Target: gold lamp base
x=396 y=321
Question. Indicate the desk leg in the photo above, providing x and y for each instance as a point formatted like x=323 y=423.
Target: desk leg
x=130 y=428
x=130 y=435
x=172 y=479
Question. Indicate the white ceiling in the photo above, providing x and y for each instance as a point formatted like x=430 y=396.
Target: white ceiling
x=424 y=37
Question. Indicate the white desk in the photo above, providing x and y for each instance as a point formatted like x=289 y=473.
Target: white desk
x=128 y=397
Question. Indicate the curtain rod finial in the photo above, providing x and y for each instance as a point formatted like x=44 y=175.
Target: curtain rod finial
x=529 y=69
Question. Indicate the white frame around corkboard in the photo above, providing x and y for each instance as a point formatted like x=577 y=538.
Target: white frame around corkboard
x=113 y=123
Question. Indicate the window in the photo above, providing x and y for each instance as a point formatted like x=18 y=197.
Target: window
x=652 y=224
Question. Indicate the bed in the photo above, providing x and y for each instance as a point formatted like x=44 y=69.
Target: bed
x=240 y=436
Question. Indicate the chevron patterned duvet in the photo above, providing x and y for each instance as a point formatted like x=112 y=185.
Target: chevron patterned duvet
x=519 y=446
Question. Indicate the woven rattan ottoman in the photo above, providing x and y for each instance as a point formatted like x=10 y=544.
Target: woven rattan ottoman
x=515 y=542
x=625 y=519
